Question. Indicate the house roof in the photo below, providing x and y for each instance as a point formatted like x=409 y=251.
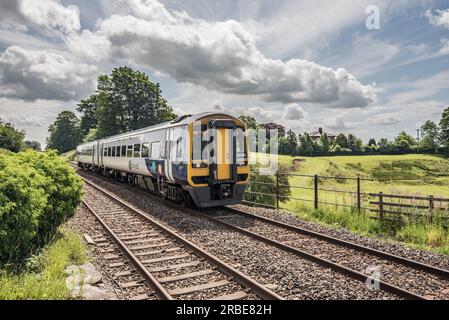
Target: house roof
x=318 y=134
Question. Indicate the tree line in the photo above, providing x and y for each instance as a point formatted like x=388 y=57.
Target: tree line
x=13 y=139
x=125 y=100
x=434 y=138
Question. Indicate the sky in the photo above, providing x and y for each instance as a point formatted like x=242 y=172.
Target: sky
x=372 y=68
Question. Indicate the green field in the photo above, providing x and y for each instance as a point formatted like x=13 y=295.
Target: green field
x=414 y=174
x=419 y=175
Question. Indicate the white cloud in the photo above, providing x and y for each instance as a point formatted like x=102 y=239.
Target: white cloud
x=38 y=74
x=336 y=123
x=418 y=90
x=444 y=49
x=220 y=56
x=384 y=119
x=50 y=14
x=368 y=55
x=25 y=120
x=439 y=19
x=260 y=114
x=293 y=112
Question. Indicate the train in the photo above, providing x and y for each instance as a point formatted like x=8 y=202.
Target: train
x=199 y=160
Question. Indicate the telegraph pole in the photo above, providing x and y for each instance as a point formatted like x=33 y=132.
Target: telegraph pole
x=417 y=137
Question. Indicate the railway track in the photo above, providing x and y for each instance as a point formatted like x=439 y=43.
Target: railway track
x=345 y=257
x=171 y=266
x=405 y=277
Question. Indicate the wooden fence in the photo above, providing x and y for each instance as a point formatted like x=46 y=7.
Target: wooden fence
x=413 y=206
x=380 y=203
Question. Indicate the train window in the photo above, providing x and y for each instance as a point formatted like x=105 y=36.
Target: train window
x=123 y=153
x=105 y=152
x=179 y=143
x=117 y=153
x=109 y=151
x=167 y=149
x=113 y=152
x=240 y=146
x=155 y=150
x=129 y=151
x=200 y=144
x=145 y=150
x=137 y=150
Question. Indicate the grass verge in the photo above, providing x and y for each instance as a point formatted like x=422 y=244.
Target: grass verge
x=431 y=237
x=42 y=276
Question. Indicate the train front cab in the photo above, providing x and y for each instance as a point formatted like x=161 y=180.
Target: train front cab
x=219 y=168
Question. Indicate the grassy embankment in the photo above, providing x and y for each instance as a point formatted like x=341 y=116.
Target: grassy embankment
x=42 y=276
x=422 y=175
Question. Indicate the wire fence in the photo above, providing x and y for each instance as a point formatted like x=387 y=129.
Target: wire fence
x=277 y=190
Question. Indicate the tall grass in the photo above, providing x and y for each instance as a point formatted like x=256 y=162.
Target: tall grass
x=428 y=236
x=43 y=276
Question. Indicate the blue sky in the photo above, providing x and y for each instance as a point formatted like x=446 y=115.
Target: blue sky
x=303 y=64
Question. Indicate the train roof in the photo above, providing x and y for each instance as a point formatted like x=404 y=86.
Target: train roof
x=180 y=121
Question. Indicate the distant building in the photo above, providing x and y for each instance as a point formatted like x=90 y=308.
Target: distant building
x=316 y=135
x=274 y=126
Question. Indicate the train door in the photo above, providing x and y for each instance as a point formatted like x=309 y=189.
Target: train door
x=178 y=153
x=93 y=154
x=97 y=156
x=222 y=160
x=101 y=154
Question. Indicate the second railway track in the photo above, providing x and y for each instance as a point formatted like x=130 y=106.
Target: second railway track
x=406 y=277
x=172 y=267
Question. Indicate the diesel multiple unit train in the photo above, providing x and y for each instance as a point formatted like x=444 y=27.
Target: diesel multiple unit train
x=196 y=159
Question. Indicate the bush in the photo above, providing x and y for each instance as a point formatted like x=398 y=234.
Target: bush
x=22 y=200
x=38 y=191
x=63 y=190
x=264 y=187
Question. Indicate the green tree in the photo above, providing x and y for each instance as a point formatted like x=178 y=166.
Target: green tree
x=306 y=145
x=292 y=142
x=444 y=127
x=430 y=135
x=342 y=140
x=35 y=145
x=65 y=133
x=372 y=142
x=11 y=138
x=405 y=136
x=384 y=145
x=250 y=122
x=88 y=109
x=263 y=186
x=127 y=100
x=91 y=135
x=325 y=143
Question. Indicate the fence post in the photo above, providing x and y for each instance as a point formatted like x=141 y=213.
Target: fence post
x=359 y=203
x=381 y=205
x=277 y=190
x=316 y=191
x=431 y=207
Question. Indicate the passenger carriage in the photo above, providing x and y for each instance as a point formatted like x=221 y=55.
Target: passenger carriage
x=201 y=159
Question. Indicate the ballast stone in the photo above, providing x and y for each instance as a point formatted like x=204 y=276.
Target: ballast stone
x=84 y=274
x=80 y=282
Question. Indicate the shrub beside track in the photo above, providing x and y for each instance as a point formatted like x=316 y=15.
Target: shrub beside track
x=38 y=191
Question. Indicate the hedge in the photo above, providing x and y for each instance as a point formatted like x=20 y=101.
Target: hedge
x=38 y=192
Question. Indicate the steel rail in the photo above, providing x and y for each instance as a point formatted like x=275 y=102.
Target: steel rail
x=143 y=271
x=321 y=261
x=382 y=254
x=227 y=269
